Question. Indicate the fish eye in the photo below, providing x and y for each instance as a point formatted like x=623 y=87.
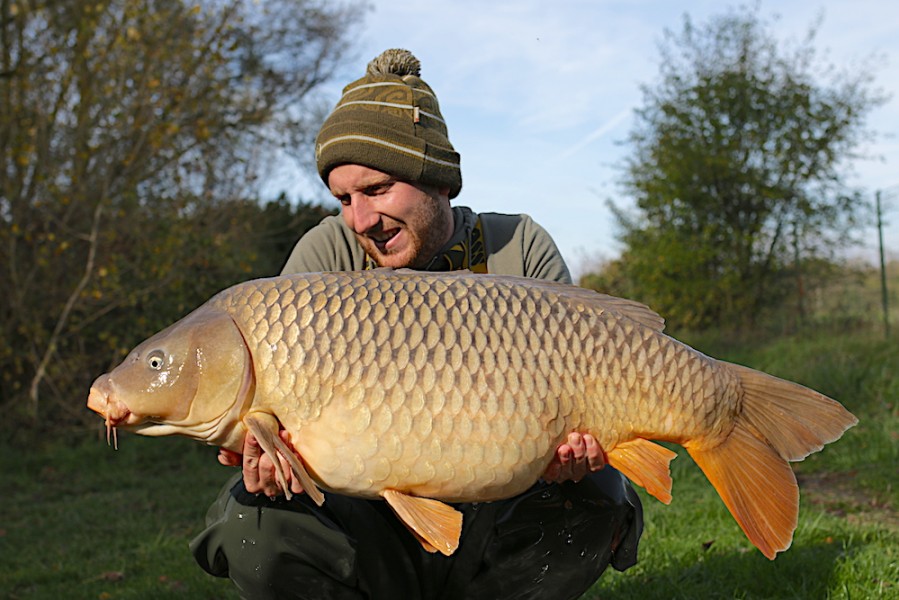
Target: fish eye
x=156 y=359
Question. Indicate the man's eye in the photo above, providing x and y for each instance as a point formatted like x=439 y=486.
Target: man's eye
x=377 y=190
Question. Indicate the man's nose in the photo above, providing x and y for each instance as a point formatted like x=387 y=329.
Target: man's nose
x=365 y=216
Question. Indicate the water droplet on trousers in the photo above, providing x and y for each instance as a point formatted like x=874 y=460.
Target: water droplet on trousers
x=245 y=542
x=567 y=534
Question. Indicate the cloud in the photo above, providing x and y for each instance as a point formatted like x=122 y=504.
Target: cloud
x=597 y=133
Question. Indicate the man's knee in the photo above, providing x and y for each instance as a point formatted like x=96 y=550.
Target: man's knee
x=561 y=537
x=609 y=492
x=276 y=553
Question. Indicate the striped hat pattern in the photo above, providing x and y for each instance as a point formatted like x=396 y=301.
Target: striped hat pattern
x=390 y=121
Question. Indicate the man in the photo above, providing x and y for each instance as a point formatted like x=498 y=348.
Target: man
x=385 y=155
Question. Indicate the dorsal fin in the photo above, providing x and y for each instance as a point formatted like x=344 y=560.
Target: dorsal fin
x=598 y=301
x=636 y=311
x=633 y=310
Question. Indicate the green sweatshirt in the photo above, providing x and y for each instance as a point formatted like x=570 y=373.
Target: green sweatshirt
x=512 y=245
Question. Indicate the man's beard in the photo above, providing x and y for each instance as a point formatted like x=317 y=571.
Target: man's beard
x=425 y=229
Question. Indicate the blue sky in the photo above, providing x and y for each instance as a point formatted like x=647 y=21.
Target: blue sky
x=538 y=95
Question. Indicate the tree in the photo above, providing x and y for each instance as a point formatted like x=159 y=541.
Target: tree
x=737 y=169
x=123 y=125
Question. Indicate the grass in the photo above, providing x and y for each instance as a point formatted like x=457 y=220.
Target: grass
x=83 y=521
x=694 y=549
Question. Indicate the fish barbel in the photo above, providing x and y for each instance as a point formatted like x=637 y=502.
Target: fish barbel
x=427 y=388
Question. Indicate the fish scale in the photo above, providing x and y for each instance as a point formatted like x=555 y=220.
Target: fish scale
x=459 y=387
x=472 y=344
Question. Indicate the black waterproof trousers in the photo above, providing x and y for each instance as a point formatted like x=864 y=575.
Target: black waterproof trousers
x=552 y=542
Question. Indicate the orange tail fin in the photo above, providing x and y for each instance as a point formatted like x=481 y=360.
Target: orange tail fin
x=780 y=422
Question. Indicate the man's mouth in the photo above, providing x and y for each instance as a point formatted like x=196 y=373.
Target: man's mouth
x=382 y=240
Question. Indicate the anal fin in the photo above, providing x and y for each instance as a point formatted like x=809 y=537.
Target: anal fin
x=265 y=427
x=646 y=464
x=436 y=525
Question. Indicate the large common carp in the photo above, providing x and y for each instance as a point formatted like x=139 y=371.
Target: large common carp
x=426 y=388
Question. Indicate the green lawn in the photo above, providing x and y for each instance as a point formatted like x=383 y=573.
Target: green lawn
x=81 y=520
x=84 y=521
x=843 y=548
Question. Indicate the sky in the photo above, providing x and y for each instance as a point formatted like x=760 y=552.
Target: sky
x=539 y=96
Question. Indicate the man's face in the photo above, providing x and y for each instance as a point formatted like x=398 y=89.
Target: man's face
x=398 y=224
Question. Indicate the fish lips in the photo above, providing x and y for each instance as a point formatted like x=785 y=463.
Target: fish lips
x=101 y=402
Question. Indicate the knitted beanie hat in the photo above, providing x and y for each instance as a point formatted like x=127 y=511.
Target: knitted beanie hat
x=390 y=121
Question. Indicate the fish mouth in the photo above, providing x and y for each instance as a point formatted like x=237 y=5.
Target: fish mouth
x=114 y=413
x=100 y=402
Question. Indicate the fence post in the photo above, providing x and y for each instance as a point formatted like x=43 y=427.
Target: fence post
x=883 y=271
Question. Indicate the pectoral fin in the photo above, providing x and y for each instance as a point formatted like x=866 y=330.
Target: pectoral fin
x=435 y=524
x=265 y=427
x=646 y=464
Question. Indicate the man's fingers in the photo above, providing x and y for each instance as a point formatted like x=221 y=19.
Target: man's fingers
x=578 y=448
x=259 y=473
x=567 y=461
x=295 y=486
x=595 y=455
x=564 y=454
x=552 y=473
x=251 y=454
x=579 y=455
x=267 y=479
x=229 y=458
x=251 y=449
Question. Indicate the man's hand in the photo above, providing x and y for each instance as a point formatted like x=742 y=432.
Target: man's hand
x=582 y=454
x=258 y=468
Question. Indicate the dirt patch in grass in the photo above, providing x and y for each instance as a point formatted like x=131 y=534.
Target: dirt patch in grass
x=839 y=494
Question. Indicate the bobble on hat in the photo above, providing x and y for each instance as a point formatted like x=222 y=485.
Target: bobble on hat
x=395 y=61
x=390 y=120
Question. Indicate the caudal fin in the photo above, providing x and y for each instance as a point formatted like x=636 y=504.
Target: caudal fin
x=780 y=421
x=795 y=420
